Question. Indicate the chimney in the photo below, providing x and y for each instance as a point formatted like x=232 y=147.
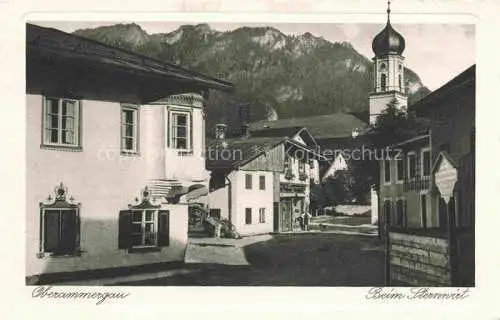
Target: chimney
x=244 y=119
x=245 y=130
x=220 y=134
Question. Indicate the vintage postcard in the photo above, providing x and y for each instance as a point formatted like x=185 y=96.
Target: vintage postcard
x=275 y=149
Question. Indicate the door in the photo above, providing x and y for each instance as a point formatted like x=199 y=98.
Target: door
x=286 y=207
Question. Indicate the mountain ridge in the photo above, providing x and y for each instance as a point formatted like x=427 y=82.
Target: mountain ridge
x=280 y=75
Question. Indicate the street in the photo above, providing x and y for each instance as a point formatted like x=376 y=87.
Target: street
x=309 y=259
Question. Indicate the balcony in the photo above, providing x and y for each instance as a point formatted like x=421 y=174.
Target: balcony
x=417 y=184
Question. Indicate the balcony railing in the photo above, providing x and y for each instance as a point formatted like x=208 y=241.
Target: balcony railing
x=418 y=183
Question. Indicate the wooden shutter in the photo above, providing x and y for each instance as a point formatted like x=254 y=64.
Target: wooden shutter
x=163 y=228
x=124 y=229
x=68 y=231
x=51 y=230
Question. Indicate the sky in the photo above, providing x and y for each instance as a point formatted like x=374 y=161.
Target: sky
x=436 y=52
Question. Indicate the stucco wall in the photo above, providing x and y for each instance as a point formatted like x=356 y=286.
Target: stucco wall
x=255 y=199
x=102 y=180
x=218 y=199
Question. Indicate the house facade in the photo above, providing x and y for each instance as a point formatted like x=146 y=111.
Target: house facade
x=411 y=203
x=107 y=130
x=265 y=186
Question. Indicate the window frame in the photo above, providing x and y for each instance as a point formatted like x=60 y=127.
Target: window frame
x=400 y=163
x=77 y=126
x=387 y=214
x=136 y=129
x=248 y=213
x=248 y=181
x=143 y=222
x=59 y=203
x=262 y=182
x=408 y=165
x=262 y=215
x=172 y=113
x=383 y=82
x=385 y=161
x=160 y=220
x=422 y=164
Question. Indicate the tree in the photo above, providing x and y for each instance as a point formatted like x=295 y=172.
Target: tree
x=396 y=124
x=334 y=190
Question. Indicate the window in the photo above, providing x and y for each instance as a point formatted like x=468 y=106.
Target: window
x=387 y=171
x=412 y=165
x=302 y=166
x=215 y=213
x=423 y=209
x=180 y=130
x=387 y=211
x=60 y=225
x=248 y=215
x=262 y=182
x=399 y=215
x=143 y=226
x=248 y=181
x=426 y=162
x=288 y=162
x=61 y=123
x=400 y=170
x=262 y=215
x=400 y=83
x=383 y=80
x=129 y=129
x=143 y=231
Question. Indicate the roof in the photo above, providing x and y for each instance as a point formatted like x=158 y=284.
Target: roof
x=239 y=151
x=465 y=78
x=333 y=125
x=59 y=44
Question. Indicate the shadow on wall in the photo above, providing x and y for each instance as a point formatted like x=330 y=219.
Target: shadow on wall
x=100 y=257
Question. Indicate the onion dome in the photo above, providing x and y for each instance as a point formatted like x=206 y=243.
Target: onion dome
x=388 y=40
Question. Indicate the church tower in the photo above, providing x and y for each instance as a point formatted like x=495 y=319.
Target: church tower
x=388 y=70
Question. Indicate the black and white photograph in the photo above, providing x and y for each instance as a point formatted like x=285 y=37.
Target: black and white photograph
x=318 y=154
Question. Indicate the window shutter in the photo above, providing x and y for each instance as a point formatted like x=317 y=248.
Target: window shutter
x=163 y=228
x=51 y=232
x=124 y=229
x=68 y=231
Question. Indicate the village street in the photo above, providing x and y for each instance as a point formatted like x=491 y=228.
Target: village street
x=308 y=259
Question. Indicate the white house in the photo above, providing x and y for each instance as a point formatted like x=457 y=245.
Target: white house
x=113 y=141
x=261 y=184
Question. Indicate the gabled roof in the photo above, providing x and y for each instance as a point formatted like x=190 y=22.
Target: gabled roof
x=333 y=125
x=58 y=44
x=239 y=151
x=245 y=149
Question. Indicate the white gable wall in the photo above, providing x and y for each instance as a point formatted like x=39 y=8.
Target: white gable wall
x=338 y=164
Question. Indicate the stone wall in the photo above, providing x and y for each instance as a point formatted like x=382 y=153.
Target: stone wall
x=417 y=260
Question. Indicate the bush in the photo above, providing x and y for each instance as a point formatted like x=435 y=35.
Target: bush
x=228 y=230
